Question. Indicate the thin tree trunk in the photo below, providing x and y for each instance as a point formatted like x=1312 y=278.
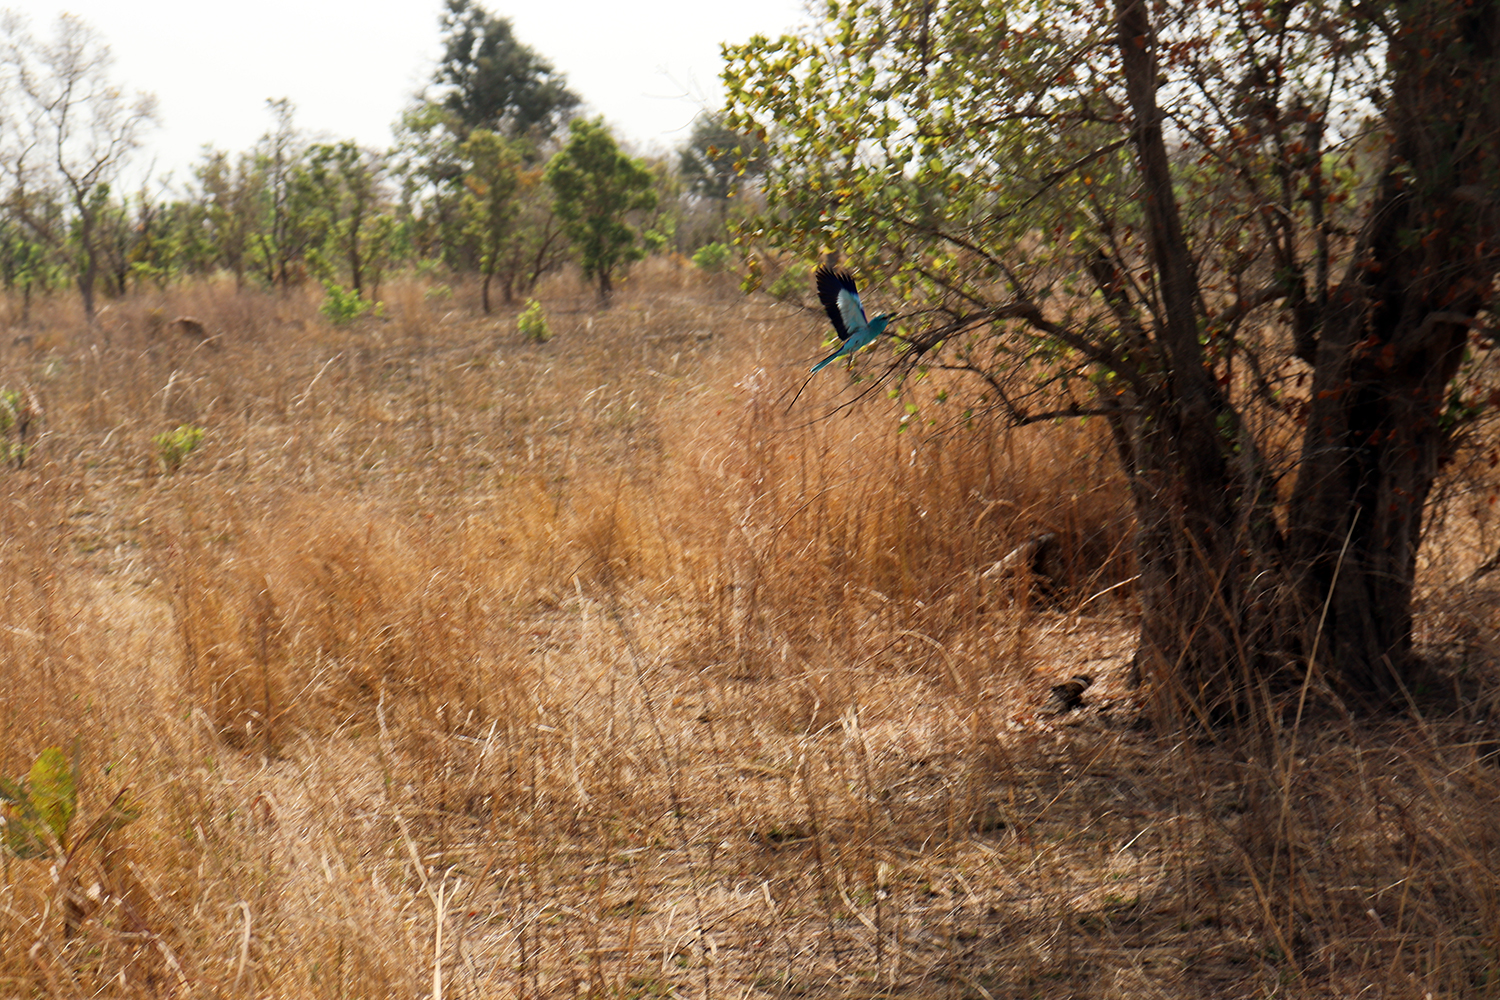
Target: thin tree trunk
x=1190 y=543
x=356 y=265
x=90 y=271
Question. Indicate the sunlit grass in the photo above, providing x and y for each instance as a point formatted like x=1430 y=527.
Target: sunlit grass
x=592 y=655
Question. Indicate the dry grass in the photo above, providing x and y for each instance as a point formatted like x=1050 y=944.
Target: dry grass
x=456 y=664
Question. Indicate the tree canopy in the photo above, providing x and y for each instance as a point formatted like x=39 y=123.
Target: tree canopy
x=490 y=80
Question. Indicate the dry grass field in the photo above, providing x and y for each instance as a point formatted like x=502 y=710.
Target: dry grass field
x=454 y=664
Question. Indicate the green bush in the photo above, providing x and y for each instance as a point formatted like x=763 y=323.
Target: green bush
x=173 y=447
x=37 y=814
x=712 y=257
x=533 y=323
x=343 y=305
x=16 y=415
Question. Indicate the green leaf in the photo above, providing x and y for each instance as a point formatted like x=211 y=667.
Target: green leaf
x=54 y=792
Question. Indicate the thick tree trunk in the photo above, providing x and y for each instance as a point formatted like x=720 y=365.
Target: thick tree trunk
x=1227 y=597
x=1378 y=427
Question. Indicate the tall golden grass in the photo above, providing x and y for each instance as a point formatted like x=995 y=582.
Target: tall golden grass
x=455 y=664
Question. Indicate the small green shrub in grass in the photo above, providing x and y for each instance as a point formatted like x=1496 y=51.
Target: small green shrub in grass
x=712 y=257
x=173 y=447
x=16 y=417
x=343 y=305
x=36 y=822
x=533 y=323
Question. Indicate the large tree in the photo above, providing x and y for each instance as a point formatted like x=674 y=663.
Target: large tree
x=1258 y=239
x=487 y=79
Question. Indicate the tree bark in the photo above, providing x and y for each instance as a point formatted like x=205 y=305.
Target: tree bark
x=1228 y=597
x=1187 y=495
x=90 y=271
x=1379 y=426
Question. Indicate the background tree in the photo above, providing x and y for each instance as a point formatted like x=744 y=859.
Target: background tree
x=283 y=235
x=716 y=165
x=491 y=183
x=231 y=196
x=338 y=192
x=26 y=263
x=487 y=79
x=537 y=244
x=74 y=128
x=1176 y=225
x=596 y=188
x=717 y=160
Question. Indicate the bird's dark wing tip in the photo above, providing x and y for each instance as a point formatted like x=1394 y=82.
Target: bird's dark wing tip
x=831 y=281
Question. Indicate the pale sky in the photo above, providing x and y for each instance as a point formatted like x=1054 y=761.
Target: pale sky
x=350 y=68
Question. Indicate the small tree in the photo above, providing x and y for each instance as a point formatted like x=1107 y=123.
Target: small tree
x=338 y=187
x=74 y=130
x=597 y=187
x=26 y=263
x=490 y=200
x=285 y=228
x=231 y=197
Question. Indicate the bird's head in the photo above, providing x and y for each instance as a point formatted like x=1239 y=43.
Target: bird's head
x=877 y=325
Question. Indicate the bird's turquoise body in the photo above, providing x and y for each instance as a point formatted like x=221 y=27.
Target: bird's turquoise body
x=840 y=297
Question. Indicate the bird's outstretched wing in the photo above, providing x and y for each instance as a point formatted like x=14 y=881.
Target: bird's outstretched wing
x=840 y=297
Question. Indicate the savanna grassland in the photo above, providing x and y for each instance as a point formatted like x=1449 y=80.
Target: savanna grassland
x=455 y=663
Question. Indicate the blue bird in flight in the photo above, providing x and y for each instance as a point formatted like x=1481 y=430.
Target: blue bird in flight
x=840 y=297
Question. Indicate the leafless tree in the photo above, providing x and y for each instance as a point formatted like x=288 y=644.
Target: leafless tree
x=71 y=129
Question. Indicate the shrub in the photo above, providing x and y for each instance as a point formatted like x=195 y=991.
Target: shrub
x=533 y=323
x=16 y=416
x=712 y=257
x=36 y=822
x=173 y=447
x=343 y=305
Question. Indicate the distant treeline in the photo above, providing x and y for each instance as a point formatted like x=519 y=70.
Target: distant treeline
x=492 y=173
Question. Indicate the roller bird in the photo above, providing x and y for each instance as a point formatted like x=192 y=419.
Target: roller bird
x=840 y=297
